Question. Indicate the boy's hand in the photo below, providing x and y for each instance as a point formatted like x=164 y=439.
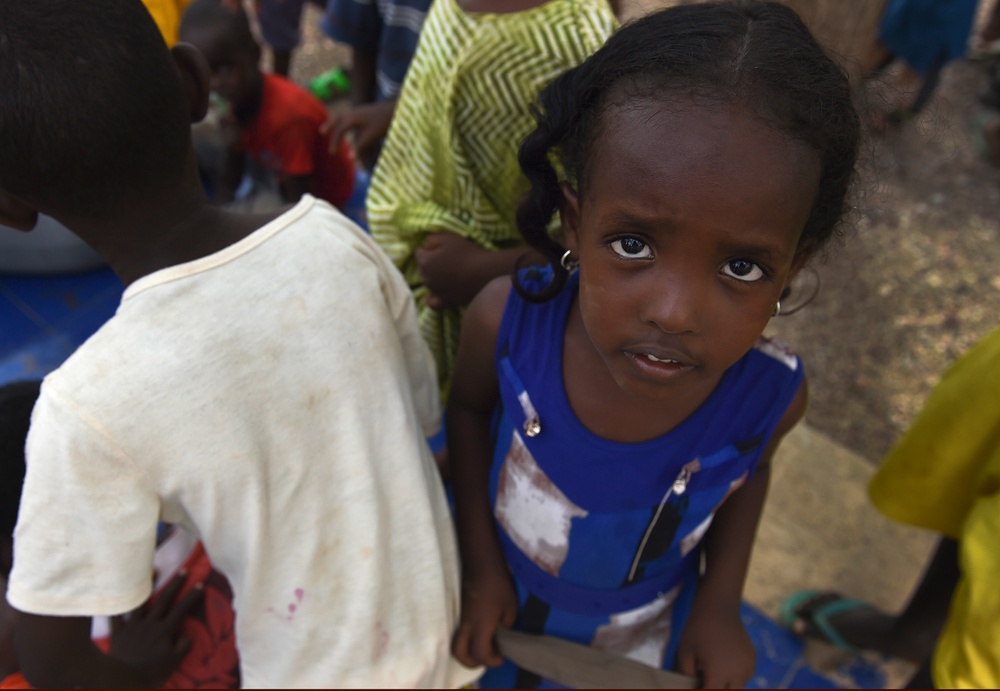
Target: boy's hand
x=369 y=122
x=149 y=638
x=715 y=647
x=486 y=604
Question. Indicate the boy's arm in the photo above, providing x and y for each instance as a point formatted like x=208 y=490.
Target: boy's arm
x=714 y=641
x=296 y=145
x=370 y=124
x=488 y=597
x=58 y=652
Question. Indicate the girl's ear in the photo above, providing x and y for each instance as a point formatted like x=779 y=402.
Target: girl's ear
x=195 y=77
x=569 y=213
x=802 y=257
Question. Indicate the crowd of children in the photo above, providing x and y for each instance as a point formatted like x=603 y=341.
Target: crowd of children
x=579 y=234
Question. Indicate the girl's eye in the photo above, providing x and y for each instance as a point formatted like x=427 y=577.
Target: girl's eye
x=631 y=248
x=743 y=270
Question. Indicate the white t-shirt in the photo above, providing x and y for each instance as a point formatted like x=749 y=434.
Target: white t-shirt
x=274 y=398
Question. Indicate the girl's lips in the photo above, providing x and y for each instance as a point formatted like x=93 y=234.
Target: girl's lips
x=658 y=365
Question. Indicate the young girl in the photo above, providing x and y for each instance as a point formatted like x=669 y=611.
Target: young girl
x=612 y=417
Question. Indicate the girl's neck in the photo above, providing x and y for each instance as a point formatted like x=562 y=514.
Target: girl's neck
x=499 y=6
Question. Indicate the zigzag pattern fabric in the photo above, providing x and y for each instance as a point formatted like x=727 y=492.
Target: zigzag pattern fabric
x=450 y=158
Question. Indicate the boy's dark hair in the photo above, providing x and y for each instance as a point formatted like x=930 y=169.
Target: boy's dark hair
x=16 y=402
x=234 y=25
x=92 y=112
x=756 y=54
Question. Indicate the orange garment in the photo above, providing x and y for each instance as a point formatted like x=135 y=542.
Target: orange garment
x=285 y=139
x=167 y=15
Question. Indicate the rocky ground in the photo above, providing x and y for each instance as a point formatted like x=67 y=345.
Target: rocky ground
x=915 y=281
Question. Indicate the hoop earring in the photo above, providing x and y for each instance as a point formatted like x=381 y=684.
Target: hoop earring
x=777 y=308
x=568 y=263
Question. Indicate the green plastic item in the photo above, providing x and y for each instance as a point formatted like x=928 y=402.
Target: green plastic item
x=333 y=82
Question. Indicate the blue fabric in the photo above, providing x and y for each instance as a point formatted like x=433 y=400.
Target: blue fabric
x=388 y=28
x=617 y=523
x=927 y=33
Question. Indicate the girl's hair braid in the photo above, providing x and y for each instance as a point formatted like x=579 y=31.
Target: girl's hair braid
x=745 y=52
x=563 y=103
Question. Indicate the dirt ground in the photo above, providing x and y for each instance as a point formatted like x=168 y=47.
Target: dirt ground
x=915 y=281
x=914 y=284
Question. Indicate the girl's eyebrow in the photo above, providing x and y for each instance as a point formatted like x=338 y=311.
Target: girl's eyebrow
x=623 y=220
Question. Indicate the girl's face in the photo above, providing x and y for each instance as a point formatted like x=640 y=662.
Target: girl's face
x=686 y=237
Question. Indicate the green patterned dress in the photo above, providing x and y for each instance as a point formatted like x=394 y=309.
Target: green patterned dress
x=450 y=158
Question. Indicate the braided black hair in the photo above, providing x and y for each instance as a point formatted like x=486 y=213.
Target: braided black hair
x=757 y=54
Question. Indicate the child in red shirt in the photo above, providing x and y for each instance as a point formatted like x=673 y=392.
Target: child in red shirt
x=264 y=116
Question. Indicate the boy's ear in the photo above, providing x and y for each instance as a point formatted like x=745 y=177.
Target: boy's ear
x=16 y=213
x=195 y=77
x=569 y=213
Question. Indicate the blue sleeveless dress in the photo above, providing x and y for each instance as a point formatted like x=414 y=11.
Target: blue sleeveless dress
x=602 y=537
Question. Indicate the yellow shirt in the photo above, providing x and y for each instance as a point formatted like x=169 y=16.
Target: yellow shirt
x=944 y=475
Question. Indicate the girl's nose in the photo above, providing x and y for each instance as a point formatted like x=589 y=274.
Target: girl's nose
x=674 y=304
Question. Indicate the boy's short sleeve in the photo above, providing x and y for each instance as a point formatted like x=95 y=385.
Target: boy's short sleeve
x=86 y=529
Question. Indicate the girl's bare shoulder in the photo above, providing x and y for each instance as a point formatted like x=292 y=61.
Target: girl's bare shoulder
x=486 y=309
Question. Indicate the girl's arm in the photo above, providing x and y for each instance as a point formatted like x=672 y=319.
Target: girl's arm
x=488 y=597
x=714 y=643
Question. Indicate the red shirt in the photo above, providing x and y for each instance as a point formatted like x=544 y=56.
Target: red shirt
x=285 y=138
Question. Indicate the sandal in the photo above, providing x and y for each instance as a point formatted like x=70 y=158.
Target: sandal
x=820 y=617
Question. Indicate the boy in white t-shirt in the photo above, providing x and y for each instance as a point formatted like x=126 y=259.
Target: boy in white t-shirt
x=263 y=384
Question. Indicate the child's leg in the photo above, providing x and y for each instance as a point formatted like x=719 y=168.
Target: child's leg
x=910 y=635
x=279 y=24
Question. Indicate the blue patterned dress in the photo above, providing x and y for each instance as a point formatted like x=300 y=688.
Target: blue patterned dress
x=602 y=537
